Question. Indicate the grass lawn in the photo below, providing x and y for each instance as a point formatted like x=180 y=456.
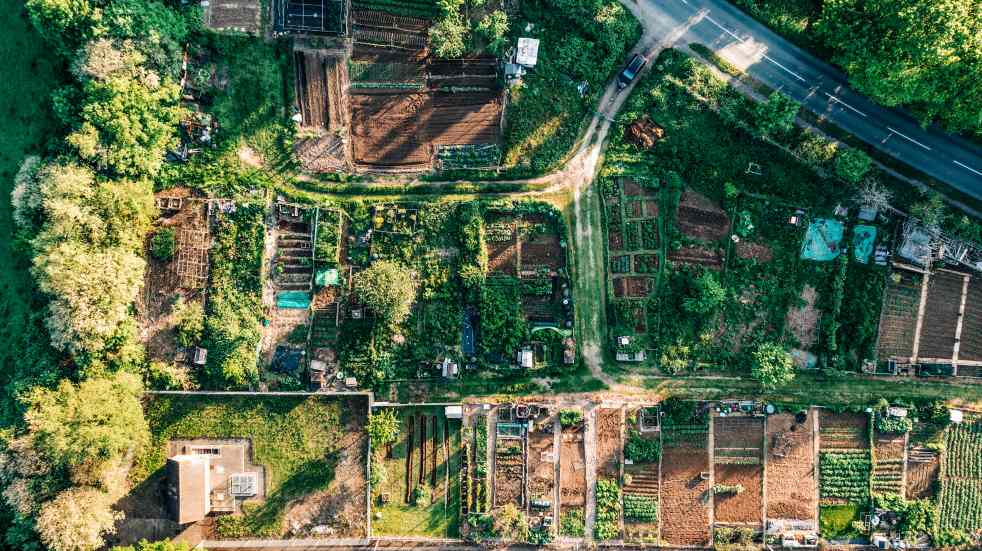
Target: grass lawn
x=399 y=516
x=299 y=440
x=31 y=72
x=835 y=521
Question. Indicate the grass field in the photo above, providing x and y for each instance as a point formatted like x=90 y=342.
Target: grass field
x=835 y=521
x=301 y=441
x=439 y=515
x=31 y=72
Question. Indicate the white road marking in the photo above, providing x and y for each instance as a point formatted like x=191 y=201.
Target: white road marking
x=966 y=167
x=844 y=104
x=908 y=138
x=789 y=71
x=725 y=30
x=767 y=57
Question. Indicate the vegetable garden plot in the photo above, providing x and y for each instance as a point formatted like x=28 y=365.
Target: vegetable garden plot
x=572 y=470
x=737 y=454
x=632 y=286
x=542 y=464
x=941 y=315
x=844 y=476
x=609 y=443
x=923 y=469
x=699 y=256
x=685 y=491
x=898 y=319
x=791 y=482
x=641 y=477
x=509 y=471
x=419 y=493
x=699 y=218
x=394 y=128
x=844 y=431
x=971 y=336
x=960 y=502
x=888 y=463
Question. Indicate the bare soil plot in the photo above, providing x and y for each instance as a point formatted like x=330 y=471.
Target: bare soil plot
x=791 y=484
x=572 y=469
x=609 y=443
x=843 y=431
x=888 y=463
x=898 y=320
x=941 y=315
x=971 y=336
x=923 y=469
x=651 y=208
x=685 y=492
x=756 y=251
x=182 y=277
x=232 y=15
x=401 y=129
x=701 y=256
x=542 y=463
x=509 y=472
x=615 y=241
x=737 y=453
x=502 y=246
x=632 y=286
x=802 y=320
x=375 y=28
x=699 y=218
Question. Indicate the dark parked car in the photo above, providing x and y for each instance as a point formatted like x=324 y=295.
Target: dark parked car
x=630 y=72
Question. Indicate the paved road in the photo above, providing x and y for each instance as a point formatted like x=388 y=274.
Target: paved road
x=821 y=88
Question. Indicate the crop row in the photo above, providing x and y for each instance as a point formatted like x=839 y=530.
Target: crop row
x=409 y=8
x=961 y=504
x=640 y=508
x=963 y=444
x=844 y=475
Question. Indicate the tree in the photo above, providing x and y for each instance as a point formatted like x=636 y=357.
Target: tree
x=383 y=428
x=448 y=36
x=127 y=123
x=929 y=211
x=852 y=164
x=771 y=365
x=874 y=196
x=163 y=244
x=921 y=53
x=65 y=23
x=494 y=27
x=776 y=115
x=189 y=322
x=388 y=289
x=709 y=295
x=87 y=427
x=90 y=289
x=510 y=524
x=163 y=545
x=77 y=519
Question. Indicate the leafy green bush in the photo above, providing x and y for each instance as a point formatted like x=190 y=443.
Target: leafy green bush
x=571 y=523
x=606 y=525
x=641 y=450
x=382 y=428
x=164 y=244
x=640 y=508
x=570 y=418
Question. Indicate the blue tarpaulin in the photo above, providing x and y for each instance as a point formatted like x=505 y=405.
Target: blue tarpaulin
x=299 y=300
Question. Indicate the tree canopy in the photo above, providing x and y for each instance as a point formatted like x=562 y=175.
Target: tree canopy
x=771 y=365
x=925 y=54
x=77 y=519
x=388 y=289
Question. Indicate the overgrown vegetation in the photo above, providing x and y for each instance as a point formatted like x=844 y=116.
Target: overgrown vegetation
x=606 y=525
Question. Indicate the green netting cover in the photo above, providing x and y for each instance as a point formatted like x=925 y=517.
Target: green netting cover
x=822 y=240
x=326 y=276
x=863 y=239
x=299 y=300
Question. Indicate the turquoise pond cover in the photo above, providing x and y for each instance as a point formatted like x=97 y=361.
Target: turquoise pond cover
x=863 y=239
x=822 y=240
x=299 y=300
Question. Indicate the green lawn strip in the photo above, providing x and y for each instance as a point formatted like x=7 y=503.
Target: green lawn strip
x=835 y=521
x=438 y=517
x=295 y=438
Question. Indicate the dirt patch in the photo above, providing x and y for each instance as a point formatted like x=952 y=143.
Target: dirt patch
x=572 y=469
x=632 y=188
x=634 y=208
x=749 y=250
x=543 y=251
x=843 y=431
x=923 y=468
x=698 y=256
x=509 y=463
x=342 y=504
x=615 y=241
x=608 y=443
x=644 y=132
x=742 y=507
x=888 y=462
x=791 y=486
x=699 y=218
x=542 y=463
x=898 y=320
x=651 y=208
x=803 y=320
x=503 y=256
x=632 y=286
x=685 y=495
